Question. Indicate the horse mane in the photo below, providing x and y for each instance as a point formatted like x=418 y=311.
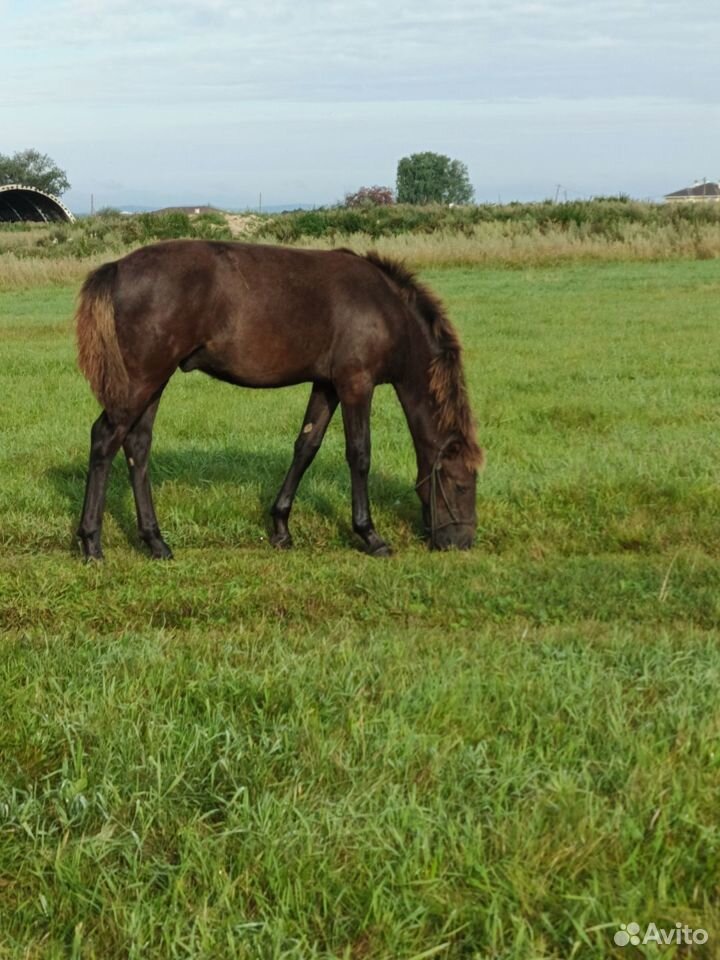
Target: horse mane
x=446 y=375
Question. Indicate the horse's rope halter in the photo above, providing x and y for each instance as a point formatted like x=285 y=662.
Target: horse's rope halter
x=436 y=484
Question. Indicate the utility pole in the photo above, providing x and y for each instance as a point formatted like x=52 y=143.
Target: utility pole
x=92 y=204
x=260 y=203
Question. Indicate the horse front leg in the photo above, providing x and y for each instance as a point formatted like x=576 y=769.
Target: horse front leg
x=356 y=418
x=320 y=409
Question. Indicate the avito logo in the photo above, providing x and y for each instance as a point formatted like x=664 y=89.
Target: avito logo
x=631 y=933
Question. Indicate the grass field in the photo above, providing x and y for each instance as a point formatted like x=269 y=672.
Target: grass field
x=522 y=236
x=315 y=754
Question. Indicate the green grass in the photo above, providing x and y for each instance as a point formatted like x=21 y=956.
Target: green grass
x=499 y=754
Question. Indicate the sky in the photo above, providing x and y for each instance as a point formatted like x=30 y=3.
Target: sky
x=221 y=101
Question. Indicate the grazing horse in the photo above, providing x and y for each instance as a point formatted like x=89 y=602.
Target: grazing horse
x=267 y=316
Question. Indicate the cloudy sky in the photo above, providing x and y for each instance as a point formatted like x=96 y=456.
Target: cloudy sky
x=195 y=101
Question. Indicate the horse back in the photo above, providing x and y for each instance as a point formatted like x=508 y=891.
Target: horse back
x=256 y=315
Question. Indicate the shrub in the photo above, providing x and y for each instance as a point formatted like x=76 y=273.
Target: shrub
x=370 y=197
x=214 y=217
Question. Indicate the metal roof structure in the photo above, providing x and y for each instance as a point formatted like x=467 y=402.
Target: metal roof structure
x=707 y=190
x=20 y=204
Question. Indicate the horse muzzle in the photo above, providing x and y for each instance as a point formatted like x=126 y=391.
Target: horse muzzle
x=452 y=537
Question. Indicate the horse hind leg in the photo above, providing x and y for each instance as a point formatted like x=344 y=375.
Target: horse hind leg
x=320 y=409
x=137 y=453
x=106 y=438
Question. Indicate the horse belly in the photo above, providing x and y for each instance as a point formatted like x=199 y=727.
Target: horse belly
x=261 y=361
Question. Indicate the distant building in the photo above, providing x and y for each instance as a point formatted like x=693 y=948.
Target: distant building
x=701 y=192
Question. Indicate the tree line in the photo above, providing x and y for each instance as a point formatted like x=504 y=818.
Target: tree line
x=422 y=178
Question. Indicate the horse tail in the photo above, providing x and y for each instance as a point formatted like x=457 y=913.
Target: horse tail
x=99 y=356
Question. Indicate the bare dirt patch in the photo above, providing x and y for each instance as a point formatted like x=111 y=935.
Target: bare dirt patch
x=243 y=224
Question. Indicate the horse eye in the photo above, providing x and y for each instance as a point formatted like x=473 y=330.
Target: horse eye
x=460 y=488
x=452 y=450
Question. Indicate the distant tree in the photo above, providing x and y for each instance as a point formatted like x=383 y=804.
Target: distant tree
x=432 y=178
x=33 y=169
x=370 y=197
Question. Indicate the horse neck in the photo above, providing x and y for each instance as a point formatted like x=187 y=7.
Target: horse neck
x=413 y=391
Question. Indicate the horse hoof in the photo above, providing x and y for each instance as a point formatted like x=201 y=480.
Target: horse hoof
x=281 y=541
x=161 y=552
x=383 y=550
x=90 y=548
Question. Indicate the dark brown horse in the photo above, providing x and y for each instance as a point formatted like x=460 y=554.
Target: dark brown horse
x=265 y=316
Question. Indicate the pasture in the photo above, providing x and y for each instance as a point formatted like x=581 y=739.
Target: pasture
x=316 y=754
